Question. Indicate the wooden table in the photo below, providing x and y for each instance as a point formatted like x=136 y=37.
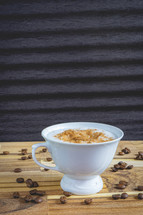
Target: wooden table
x=50 y=182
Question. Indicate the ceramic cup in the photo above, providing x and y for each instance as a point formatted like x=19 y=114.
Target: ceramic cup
x=81 y=164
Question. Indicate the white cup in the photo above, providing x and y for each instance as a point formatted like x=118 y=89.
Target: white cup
x=81 y=164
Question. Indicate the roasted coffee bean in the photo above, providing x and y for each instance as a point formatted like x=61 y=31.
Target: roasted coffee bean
x=46 y=169
x=122 y=167
x=5 y=152
x=126 y=150
x=67 y=193
x=38 y=200
x=120 y=186
x=49 y=159
x=16 y=195
x=121 y=153
x=120 y=162
x=24 y=158
x=33 y=192
x=139 y=157
x=40 y=193
x=116 y=196
x=35 y=184
x=130 y=167
x=44 y=150
x=124 y=164
x=140 y=153
x=114 y=169
x=140 y=196
x=20 y=180
x=123 y=182
x=29 y=156
x=17 y=170
x=29 y=182
x=23 y=151
x=140 y=188
x=88 y=201
x=63 y=200
x=124 y=196
x=117 y=166
x=28 y=198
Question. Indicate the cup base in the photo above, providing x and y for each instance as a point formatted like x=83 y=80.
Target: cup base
x=82 y=187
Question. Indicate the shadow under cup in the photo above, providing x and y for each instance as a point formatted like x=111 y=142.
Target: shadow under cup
x=81 y=164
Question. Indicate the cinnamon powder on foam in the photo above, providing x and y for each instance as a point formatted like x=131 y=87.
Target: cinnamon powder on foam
x=83 y=136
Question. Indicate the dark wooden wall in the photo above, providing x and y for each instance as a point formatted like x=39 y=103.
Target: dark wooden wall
x=65 y=60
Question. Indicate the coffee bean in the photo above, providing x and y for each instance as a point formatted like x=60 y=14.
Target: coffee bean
x=46 y=169
x=114 y=169
x=24 y=158
x=124 y=164
x=140 y=153
x=16 y=195
x=120 y=162
x=23 y=151
x=140 y=188
x=124 y=196
x=126 y=150
x=116 y=196
x=67 y=193
x=120 y=186
x=130 y=167
x=40 y=193
x=44 y=150
x=38 y=200
x=28 y=198
x=139 y=157
x=63 y=200
x=121 y=153
x=117 y=166
x=140 y=196
x=49 y=159
x=33 y=192
x=5 y=152
x=35 y=184
x=20 y=180
x=123 y=182
x=88 y=201
x=122 y=167
x=17 y=170
x=29 y=182
x=29 y=156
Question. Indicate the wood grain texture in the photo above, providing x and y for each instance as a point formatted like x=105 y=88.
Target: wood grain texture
x=64 y=61
x=50 y=182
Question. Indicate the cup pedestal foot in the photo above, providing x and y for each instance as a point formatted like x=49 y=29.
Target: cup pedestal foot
x=82 y=186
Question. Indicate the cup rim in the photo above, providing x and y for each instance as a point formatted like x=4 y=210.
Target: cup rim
x=79 y=144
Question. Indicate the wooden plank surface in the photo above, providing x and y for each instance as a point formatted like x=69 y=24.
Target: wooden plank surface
x=50 y=182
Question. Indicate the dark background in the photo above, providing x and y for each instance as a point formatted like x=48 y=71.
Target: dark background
x=64 y=61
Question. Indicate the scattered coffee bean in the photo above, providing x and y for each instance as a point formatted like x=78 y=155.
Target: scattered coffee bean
x=24 y=158
x=67 y=193
x=130 y=167
x=140 y=188
x=29 y=182
x=46 y=169
x=38 y=200
x=35 y=184
x=5 y=152
x=139 y=156
x=29 y=156
x=88 y=201
x=123 y=182
x=33 y=192
x=28 y=198
x=63 y=200
x=124 y=195
x=44 y=150
x=23 y=151
x=140 y=196
x=120 y=162
x=20 y=180
x=121 y=153
x=126 y=150
x=40 y=193
x=117 y=166
x=49 y=159
x=17 y=170
x=116 y=196
x=16 y=195
x=120 y=186
x=114 y=169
